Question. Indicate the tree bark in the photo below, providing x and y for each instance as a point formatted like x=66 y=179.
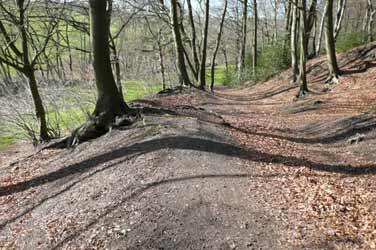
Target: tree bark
x=110 y=108
x=340 y=14
x=330 y=45
x=294 y=43
x=217 y=45
x=161 y=65
x=116 y=64
x=370 y=20
x=319 y=42
x=70 y=62
x=204 y=46
x=289 y=11
x=193 y=38
x=241 y=59
x=28 y=71
x=276 y=9
x=314 y=39
x=59 y=61
x=370 y=27
x=303 y=91
x=254 y=45
x=183 y=74
x=108 y=94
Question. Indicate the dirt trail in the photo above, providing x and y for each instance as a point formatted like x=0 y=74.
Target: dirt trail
x=245 y=169
x=170 y=183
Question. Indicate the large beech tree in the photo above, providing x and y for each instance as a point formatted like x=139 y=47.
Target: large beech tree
x=110 y=108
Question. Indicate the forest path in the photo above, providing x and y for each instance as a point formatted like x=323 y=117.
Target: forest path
x=239 y=169
x=169 y=182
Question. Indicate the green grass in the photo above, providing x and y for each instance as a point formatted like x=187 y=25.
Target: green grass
x=64 y=120
x=6 y=141
x=9 y=135
x=221 y=77
x=135 y=89
x=348 y=41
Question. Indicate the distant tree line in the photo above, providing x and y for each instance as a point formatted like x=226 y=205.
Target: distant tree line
x=177 y=42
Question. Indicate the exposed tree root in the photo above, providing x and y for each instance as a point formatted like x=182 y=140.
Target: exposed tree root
x=302 y=93
x=333 y=79
x=97 y=126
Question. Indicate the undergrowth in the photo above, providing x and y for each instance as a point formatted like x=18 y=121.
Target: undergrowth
x=348 y=41
x=66 y=109
x=272 y=59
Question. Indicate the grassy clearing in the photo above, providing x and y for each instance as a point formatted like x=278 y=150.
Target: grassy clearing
x=135 y=89
x=221 y=76
x=72 y=110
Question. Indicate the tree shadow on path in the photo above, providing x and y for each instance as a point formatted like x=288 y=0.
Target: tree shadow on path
x=183 y=143
x=344 y=134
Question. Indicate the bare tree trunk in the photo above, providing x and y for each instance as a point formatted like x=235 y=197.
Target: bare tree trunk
x=70 y=62
x=370 y=27
x=311 y=17
x=204 y=46
x=59 y=62
x=341 y=7
x=193 y=39
x=370 y=16
x=110 y=108
x=319 y=41
x=330 y=45
x=238 y=29
x=217 y=45
x=39 y=108
x=275 y=22
x=294 y=43
x=303 y=91
x=116 y=64
x=241 y=59
x=314 y=38
x=161 y=66
x=161 y=59
x=289 y=12
x=28 y=71
x=183 y=74
x=254 y=45
x=366 y=19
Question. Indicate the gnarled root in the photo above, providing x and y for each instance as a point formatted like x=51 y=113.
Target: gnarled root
x=99 y=125
x=333 y=79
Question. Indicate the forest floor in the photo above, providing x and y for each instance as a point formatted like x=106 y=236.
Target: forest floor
x=247 y=168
